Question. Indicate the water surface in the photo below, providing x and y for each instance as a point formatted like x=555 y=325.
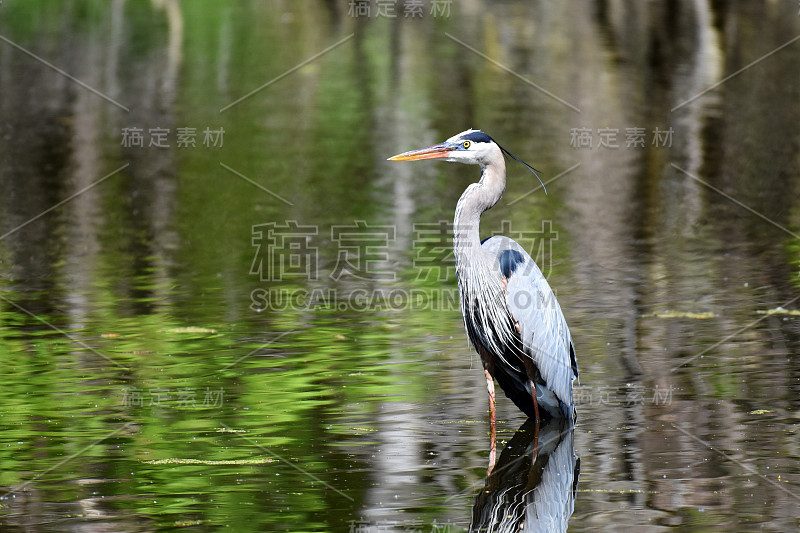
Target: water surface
x=250 y=321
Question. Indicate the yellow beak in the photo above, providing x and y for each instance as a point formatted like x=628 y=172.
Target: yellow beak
x=437 y=151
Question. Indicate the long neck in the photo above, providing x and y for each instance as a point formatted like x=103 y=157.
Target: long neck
x=476 y=199
x=479 y=280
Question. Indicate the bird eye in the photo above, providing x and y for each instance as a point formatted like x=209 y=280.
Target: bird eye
x=465 y=144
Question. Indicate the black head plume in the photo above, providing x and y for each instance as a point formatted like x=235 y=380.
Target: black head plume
x=533 y=170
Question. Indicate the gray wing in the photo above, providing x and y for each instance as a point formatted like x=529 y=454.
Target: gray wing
x=533 y=306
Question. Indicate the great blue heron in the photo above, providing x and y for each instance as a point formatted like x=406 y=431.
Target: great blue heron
x=511 y=315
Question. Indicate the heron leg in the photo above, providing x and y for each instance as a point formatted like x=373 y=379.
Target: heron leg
x=492 y=422
x=533 y=372
x=535 y=402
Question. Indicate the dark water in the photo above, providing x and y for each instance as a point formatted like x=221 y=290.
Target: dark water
x=223 y=309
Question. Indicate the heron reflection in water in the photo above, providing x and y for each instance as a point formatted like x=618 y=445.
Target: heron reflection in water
x=510 y=312
x=533 y=486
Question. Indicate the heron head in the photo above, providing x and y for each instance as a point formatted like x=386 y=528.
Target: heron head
x=472 y=147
